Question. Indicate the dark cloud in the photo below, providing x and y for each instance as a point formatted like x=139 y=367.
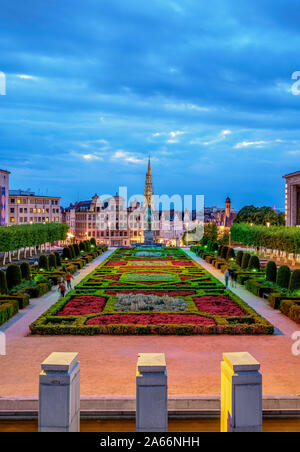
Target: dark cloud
x=105 y=77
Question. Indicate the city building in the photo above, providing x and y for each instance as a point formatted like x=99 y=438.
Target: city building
x=292 y=199
x=222 y=217
x=25 y=207
x=4 y=190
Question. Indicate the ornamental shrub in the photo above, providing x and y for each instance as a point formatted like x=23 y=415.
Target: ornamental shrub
x=25 y=270
x=52 y=261
x=76 y=249
x=220 y=250
x=13 y=276
x=58 y=259
x=72 y=251
x=88 y=245
x=295 y=281
x=66 y=253
x=254 y=263
x=245 y=260
x=239 y=258
x=271 y=271
x=93 y=241
x=230 y=254
x=43 y=262
x=82 y=246
x=283 y=277
x=3 y=283
x=224 y=252
x=214 y=247
x=204 y=240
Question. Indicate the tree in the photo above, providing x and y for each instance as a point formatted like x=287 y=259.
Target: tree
x=260 y=215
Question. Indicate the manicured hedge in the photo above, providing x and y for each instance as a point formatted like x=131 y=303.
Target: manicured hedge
x=13 y=276
x=7 y=310
x=245 y=260
x=3 y=283
x=271 y=271
x=52 y=260
x=239 y=258
x=283 y=277
x=254 y=263
x=25 y=270
x=43 y=262
x=294 y=281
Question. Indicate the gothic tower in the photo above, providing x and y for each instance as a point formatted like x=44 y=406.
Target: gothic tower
x=227 y=212
x=148 y=193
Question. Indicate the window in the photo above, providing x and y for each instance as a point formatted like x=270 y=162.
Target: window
x=12 y=219
x=12 y=210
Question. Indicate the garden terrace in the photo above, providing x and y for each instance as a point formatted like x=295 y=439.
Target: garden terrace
x=168 y=293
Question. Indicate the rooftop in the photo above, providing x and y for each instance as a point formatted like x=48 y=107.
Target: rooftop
x=287 y=176
x=29 y=193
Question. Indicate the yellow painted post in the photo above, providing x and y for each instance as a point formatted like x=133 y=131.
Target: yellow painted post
x=241 y=393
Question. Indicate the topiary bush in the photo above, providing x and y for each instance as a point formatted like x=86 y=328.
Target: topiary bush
x=245 y=260
x=25 y=270
x=13 y=276
x=72 y=251
x=52 y=261
x=76 y=249
x=220 y=250
x=224 y=252
x=271 y=271
x=283 y=277
x=58 y=259
x=43 y=262
x=254 y=263
x=239 y=258
x=93 y=241
x=82 y=246
x=295 y=281
x=3 y=283
x=88 y=245
x=230 y=254
x=66 y=253
x=204 y=240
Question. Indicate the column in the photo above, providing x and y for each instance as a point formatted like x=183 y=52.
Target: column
x=59 y=393
x=241 y=393
x=151 y=393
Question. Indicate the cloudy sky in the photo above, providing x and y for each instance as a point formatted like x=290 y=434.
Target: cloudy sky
x=95 y=86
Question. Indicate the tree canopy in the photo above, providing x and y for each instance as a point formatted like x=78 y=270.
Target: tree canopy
x=260 y=215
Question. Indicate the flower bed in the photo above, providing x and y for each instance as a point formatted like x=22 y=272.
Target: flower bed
x=129 y=294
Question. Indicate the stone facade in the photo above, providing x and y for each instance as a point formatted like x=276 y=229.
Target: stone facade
x=27 y=208
x=292 y=199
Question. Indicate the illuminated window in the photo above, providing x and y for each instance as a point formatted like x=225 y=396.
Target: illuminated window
x=12 y=219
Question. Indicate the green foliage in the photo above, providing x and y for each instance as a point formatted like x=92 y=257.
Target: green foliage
x=66 y=253
x=224 y=252
x=17 y=237
x=58 y=259
x=3 y=283
x=283 y=277
x=43 y=262
x=76 y=249
x=259 y=215
x=25 y=270
x=245 y=260
x=239 y=258
x=277 y=238
x=211 y=232
x=72 y=252
x=230 y=254
x=254 y=263
x=93 y=241
x=13 y=276
x=271 y=271
x=52 y=260
x=82 y=246
x=295 y=281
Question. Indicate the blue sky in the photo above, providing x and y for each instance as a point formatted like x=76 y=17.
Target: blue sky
x=205 y=88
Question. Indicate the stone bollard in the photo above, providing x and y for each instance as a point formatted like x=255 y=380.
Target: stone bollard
x=151 y=393
x=59 y=393
x=241 y=393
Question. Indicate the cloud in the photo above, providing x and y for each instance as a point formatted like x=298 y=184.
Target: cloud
x=128 y=157
x=246 y=144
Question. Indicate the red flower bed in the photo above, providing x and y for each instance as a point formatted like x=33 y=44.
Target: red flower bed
x=150 y=319
x=160 y=293
x=83 y=305
x=183 y=264
x=218 y=305
x=116 y=264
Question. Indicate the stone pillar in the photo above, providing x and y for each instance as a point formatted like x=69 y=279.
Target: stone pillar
x=241 y=393
x=59 y=393
x=151 y=393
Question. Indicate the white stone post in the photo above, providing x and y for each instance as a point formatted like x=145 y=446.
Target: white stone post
x=151 y=393
x=59 y=393
x=241 y=393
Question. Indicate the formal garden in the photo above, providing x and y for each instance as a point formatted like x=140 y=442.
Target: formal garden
x=154 y=291
x=278 y=284
x=21 y=282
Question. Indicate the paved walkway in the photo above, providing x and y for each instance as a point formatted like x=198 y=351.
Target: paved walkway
x=18 y=326
x=108 y=363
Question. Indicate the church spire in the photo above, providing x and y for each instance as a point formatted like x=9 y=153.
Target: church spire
x=148 y=193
